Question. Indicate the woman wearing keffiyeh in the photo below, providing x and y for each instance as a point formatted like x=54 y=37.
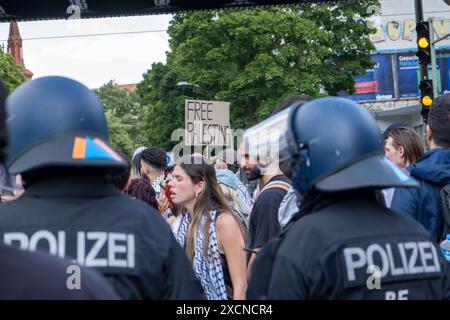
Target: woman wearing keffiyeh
x=211 y=235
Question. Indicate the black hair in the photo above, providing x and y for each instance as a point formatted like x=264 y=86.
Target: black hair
x=439 y=120
x=156 y=157
x=286 y=103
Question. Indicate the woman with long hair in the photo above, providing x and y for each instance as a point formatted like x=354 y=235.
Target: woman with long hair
x=212 y=236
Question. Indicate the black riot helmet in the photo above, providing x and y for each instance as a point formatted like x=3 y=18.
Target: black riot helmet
x=57 y=122
x=335 y=145
x=332 y=144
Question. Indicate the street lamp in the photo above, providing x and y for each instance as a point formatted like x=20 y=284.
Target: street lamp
x=187 y=88
x=185 y=84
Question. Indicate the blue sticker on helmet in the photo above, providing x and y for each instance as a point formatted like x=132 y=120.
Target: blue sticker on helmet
x=95 y=150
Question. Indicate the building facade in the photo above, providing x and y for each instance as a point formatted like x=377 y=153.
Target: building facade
x=15 y=48
x=391 y=88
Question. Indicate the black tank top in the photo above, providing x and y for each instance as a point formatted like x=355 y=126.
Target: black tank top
x=225 y=270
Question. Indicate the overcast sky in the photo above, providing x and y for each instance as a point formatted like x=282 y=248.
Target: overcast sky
x=93 y=60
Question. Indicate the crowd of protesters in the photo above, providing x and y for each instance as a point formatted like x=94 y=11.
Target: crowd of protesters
x=195 y=228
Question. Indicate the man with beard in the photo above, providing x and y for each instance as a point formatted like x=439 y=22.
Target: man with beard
x=274 y=185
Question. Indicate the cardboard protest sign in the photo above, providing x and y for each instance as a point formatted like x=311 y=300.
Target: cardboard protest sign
x=207 y=122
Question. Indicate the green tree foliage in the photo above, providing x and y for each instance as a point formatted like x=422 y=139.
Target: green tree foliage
x=11 y=74
x=118 y=133
x=254 y=59
x=164 y=103
x=124 y=114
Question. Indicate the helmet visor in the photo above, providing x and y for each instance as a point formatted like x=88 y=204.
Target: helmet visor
x=374 y=172
x=266 y=143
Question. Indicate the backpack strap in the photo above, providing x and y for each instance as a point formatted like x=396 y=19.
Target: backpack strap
x=445 y=202
x=276 y=184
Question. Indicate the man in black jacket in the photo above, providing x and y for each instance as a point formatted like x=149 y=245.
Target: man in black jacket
x=59 y=144
x=26 y=275
x=343 y=244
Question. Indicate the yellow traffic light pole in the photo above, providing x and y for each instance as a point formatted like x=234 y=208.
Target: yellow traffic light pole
x=423 y=74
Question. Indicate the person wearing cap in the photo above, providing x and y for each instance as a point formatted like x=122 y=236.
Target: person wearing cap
x=59 y=144
x=32 y=276
x=343 y=244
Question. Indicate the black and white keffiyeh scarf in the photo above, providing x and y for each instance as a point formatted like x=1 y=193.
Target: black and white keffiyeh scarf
x=157 y=185
x=208 y=271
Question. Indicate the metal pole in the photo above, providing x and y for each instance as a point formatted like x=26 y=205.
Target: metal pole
x=440 y=39
x=419 y=10
x=423 y=74
x=433 y=60
x=394 y=65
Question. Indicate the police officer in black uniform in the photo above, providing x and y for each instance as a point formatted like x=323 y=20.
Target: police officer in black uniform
x=343 y=244
x=59 y=144
x=26 y=275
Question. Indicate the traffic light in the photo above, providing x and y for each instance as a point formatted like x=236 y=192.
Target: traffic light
x=426 y=97
x=426 y=93
x=423 y=42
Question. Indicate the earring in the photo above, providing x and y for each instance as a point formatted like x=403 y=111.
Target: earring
x=196 y=195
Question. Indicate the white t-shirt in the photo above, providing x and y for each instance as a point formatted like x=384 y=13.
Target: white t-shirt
x=388 y=195
x=175 y=226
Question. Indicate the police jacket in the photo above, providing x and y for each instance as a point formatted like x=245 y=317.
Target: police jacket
x=38 y=276
x=88 y=220
x=432 y=171
x=357 y=249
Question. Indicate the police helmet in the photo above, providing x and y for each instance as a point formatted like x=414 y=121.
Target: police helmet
x=335 y=145
x=57 y=122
